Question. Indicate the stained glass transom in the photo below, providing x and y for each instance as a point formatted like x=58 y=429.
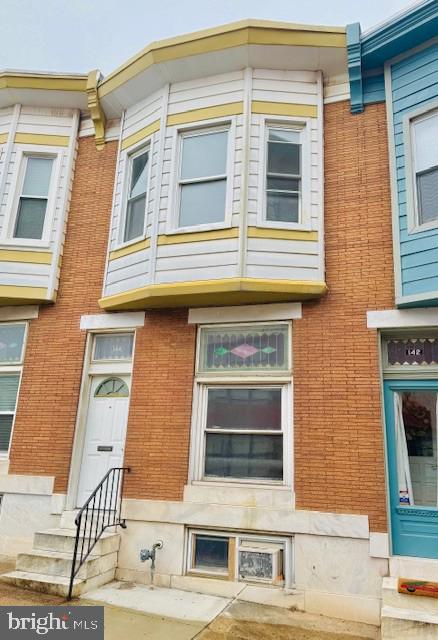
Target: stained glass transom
x=413 y=352
x=112 y=388
x=244 y=348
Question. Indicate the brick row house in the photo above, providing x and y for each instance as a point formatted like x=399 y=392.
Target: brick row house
x=232 y=350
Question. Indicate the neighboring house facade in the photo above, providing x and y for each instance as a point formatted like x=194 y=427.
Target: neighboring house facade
x=189 y=248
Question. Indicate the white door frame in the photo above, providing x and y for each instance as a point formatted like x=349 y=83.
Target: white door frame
x=89 y=371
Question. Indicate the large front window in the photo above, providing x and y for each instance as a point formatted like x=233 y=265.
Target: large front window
x=203 y=178
x=242 y=403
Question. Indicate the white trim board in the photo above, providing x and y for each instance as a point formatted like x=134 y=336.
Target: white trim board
x=246 y=313
x=402 y=318
x=26 y=312
x=128 y=320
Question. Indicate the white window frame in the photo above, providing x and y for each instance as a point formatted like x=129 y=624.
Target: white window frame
x=14 y=369
x=96 y=334
x=413 y=219
x=238 y=538
x=303 y=127
x=193 y=130
x=126 y=158
x=22 y=154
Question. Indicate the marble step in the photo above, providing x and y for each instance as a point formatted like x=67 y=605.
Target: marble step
x=63 y=540
x=413 y=568
x=408 y=624
x=55 y=585
x=56 y=563
x=392 y=598
x=68 y=519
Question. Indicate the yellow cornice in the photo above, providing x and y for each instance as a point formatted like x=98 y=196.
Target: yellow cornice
x=50 y=82
x=96 y=111
x=245 y=32
x=228 y=291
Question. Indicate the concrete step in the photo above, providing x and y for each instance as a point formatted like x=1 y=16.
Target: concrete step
x=63 y=540
x=55 y=585
x=392 y=598
x=56 y=563
x=413 y=568
x=68 y=519
x=408 y=624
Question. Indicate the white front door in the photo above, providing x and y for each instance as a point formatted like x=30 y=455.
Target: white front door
x=105 y=431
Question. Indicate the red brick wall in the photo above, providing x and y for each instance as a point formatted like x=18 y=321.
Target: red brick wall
x=45 y=421
x=339 y=461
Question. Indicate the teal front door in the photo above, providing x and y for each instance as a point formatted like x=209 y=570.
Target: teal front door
x=411 y=408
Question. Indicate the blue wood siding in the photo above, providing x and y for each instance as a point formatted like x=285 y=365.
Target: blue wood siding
x=414 y=85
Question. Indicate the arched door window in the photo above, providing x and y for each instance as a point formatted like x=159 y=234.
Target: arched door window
x=112 y=388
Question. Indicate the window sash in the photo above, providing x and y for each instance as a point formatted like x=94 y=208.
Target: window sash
x=23 y=328
x=132 y=199
x=279 y=174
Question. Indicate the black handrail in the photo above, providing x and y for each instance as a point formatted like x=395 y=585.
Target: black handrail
x=109 y=516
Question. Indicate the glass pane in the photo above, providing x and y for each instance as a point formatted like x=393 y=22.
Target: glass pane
x=282 y=207
x=11 y=343
x=112 y=388
x=244 y=456
x=139 y=175
x=113 y=347
x=244 y=409
x=426 y=147
x=135 y=214
x=202 y=203
x=211 y=553
x=30 y=218
x=427 y=187
x=5 y=431
x=283 y=184
x=204 y=155
x=283 y=158
x=284 y=135
x=244 y=348
x=8 y=392
x=37 y=178
x=417 y=449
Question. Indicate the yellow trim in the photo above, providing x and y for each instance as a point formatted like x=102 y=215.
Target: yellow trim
x=282 y=234
x=229 y=291
x=141 y=135
x=284 y=109
x=96 y=111
x=11 y=294
x=132 y=248
x=33 y=257
x=11 y=80
x=41 y=138
x=198 y=236
x=237 y=34
x=206 y=113
x=3 y=138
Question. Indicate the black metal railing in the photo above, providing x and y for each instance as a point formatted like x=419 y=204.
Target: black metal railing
x=103 y=509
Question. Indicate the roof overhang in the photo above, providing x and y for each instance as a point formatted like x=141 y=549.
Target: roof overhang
x=43 y=89
x=231 y=47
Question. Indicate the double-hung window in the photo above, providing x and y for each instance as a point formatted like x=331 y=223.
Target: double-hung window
x=136 y=201
x=12 y=337
x=283 y=174
x=33 y=199
x=243 y=418
x=202 y=183
x=425 y=161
